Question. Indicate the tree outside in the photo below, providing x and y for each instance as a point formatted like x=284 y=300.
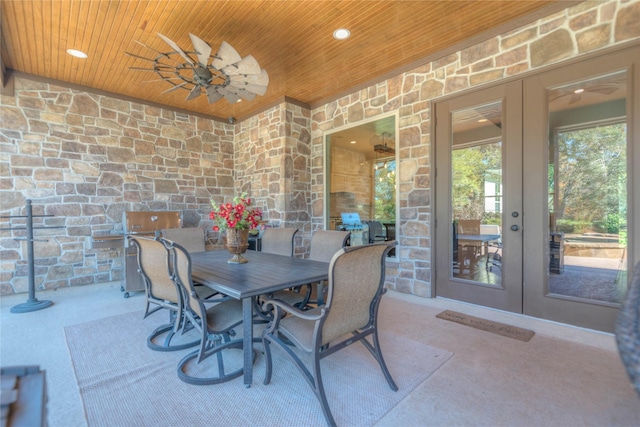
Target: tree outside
x=589 y=180
x=472 y=168
x=384 y=190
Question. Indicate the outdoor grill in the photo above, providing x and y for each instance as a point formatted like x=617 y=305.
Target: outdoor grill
x=143 y=224
x=359 y=231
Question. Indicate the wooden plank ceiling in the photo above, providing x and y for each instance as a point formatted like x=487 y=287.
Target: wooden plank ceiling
x=291 y=40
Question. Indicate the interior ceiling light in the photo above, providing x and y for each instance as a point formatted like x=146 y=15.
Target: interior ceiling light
x=77 y=53
x=341 y=34
x=353 y=142
x=223 y=74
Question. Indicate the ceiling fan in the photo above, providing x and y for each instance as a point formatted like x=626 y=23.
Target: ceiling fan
x=379 y=143
x=607 y=85
x=224 y=74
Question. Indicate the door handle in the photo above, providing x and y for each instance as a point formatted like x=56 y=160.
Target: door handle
x=515 y=228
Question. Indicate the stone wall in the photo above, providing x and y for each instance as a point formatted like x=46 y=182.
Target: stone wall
x=84 y=159
x=585 y=28
x=273 y=163
x=87 y=158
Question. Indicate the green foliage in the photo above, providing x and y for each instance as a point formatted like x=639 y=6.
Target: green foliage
x=570 y=226
x=589 y=179
x=611 y=224
x=471 y=167
x=385 y=190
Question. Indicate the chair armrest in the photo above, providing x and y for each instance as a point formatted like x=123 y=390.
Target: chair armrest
x=292 y=310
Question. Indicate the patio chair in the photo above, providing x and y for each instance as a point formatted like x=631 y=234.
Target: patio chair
x=494 y=258
x=356 y=286
x=215 y=324
x=470 y=250
x=375 y=232
x=279 y=241
x=161 y=292
x=192 y=239
x=324 y=244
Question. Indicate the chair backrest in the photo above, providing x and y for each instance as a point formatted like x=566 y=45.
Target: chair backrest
x=182 y=269
x=375 y=231
x=153 y=260
x=489 y=229
x=325 y=243
x=356 y=283
x=278 y=241
x=191 y=239
x=468 y=226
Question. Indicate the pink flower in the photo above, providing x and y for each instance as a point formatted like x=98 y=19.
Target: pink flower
x=238 y=215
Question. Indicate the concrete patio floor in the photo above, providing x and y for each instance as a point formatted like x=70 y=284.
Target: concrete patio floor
x=564 y=376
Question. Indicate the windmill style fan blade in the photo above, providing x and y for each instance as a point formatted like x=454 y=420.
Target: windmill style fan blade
x=213 y=95
x=202 y=48
x=228 y=95
x=246 y=95
x=139 y=57
x=247 y=65
x=257 y=89
x=261 y=79
x=226 y=55
x=160 y=80
x=175 y=87
x=195 y=92
x=242 y=93
x=605 y=90
x=141 y=69
x=158 y=52
x=175 y=47
x=149 y=47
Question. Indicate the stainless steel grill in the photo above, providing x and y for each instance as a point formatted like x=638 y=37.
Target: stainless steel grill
x=144 y=224
x=359 y=231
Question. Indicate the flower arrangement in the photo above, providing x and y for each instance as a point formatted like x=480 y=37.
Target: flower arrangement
x=238 y=215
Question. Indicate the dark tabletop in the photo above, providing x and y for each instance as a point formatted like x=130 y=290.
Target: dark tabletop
x=262 y=274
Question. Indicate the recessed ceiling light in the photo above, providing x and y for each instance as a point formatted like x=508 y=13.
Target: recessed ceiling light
x=353 y=142
x=482 y=120
x=77 y=53
x=578 y=91
x=341 y=34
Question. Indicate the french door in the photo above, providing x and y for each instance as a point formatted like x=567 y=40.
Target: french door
x=535 y=192
x=479 y=197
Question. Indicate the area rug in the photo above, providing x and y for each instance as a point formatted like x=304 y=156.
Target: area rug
x=123 y=383
x=487 y=325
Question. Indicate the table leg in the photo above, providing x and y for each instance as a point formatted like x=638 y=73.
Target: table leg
x=247 y=340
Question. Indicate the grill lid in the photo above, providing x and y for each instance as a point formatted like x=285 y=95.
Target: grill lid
x=150 y=222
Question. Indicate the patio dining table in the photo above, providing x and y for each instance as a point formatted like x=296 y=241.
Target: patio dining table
x=264 y=273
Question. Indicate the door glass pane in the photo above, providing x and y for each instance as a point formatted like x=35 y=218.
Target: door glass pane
x=588 y=189
x=476 y=194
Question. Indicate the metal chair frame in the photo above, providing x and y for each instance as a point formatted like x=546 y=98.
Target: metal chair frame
x=215 y=323
x=161 y=291
x=328 y=324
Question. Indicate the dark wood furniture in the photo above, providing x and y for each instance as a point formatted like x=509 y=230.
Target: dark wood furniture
x=263 y=273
